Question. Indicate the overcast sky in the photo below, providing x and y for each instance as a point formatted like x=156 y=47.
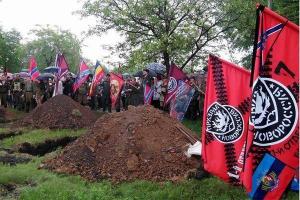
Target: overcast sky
x=24 y=15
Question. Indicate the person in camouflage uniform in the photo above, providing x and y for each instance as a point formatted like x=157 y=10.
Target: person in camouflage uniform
x=28 y=94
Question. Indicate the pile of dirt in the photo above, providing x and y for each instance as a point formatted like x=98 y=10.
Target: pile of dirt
x=59 y=112
x=141 y=143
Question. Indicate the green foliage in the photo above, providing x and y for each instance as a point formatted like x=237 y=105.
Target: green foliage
x=241 y=37
x=11 y=51
x=181 y=30
x=38 y=136
x=50 y=41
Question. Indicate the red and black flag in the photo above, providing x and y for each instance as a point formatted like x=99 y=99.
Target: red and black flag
x=175 y=75
x=116 y=85
x=273 y=126
x=225 y=119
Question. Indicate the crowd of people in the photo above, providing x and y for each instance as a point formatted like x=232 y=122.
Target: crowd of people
x=24 y=94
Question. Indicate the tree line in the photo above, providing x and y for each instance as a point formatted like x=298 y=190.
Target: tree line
x=180 y=31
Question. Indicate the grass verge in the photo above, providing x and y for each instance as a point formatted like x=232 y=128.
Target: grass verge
x=38 y=136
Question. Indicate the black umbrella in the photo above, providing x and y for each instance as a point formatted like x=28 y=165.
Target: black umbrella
x=158 y=68
x=45 y=76
x=140 y=74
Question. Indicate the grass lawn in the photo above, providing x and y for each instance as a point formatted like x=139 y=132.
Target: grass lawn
x=194 y=125
x=32 y=183
x=38 y=136
x=42 y=184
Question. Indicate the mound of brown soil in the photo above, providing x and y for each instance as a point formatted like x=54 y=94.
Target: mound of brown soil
x=141 y=143
x=59 y=112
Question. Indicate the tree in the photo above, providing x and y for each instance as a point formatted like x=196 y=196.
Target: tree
x=182 y=31
x=10 y=50
x=50 y=41
x=241 y=37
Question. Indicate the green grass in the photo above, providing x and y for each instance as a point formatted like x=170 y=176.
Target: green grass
x=42 y=184
x=49 y=185
x=3 y=130
x=193 y=125
x=33 y=183
x=38 y=136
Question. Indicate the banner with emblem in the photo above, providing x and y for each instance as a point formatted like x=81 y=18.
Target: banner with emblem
x=225 y=119
x=270 y=179
x=148 y=94
x=274 y=125
x=181 y=102
x=116 y=84
x=175 y=74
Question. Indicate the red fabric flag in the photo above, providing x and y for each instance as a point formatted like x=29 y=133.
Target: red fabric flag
x=274 y=108
x=225 y=119
x=98 y=75
x=33 y=70
x=175 y=74
x=148 y=94
x=62 y=65
x=116 y=84
x=83 y=74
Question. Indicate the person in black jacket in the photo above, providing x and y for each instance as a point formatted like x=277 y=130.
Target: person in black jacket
x=106 y=101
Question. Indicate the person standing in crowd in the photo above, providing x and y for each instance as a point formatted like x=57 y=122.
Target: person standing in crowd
x=9 y=94
x=82 y=94
x=123 y=95
x=157 y=84
x=99 y=90
x=17 y=93
x=37 y=92
x=193 y=109
x=164 y=91
x=28 y=94
x=146 y=79
x=106 y=101
x=68 y=86
x=3 y=91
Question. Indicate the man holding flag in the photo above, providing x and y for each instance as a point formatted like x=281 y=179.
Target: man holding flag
x=82 y=75
x=98 y=76
x=175 y=74
x=63 y=69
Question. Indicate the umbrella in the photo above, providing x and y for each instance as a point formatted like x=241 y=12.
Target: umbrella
x=158 y=68
x=126 y=75
x=45 y=76
x=24 y=70
x=51 y=69
x=22 y=75
x=140 y=74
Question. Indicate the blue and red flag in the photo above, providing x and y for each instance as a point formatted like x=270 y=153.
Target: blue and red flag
x=33 y=70
x=270 y=179
x=175 y=74
x=82 y=75
x=181 y=102
x=62 y=65
x=148 y=94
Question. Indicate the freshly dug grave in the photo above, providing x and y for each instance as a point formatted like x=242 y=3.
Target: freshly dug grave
x=141 y=143
x=59 y=112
